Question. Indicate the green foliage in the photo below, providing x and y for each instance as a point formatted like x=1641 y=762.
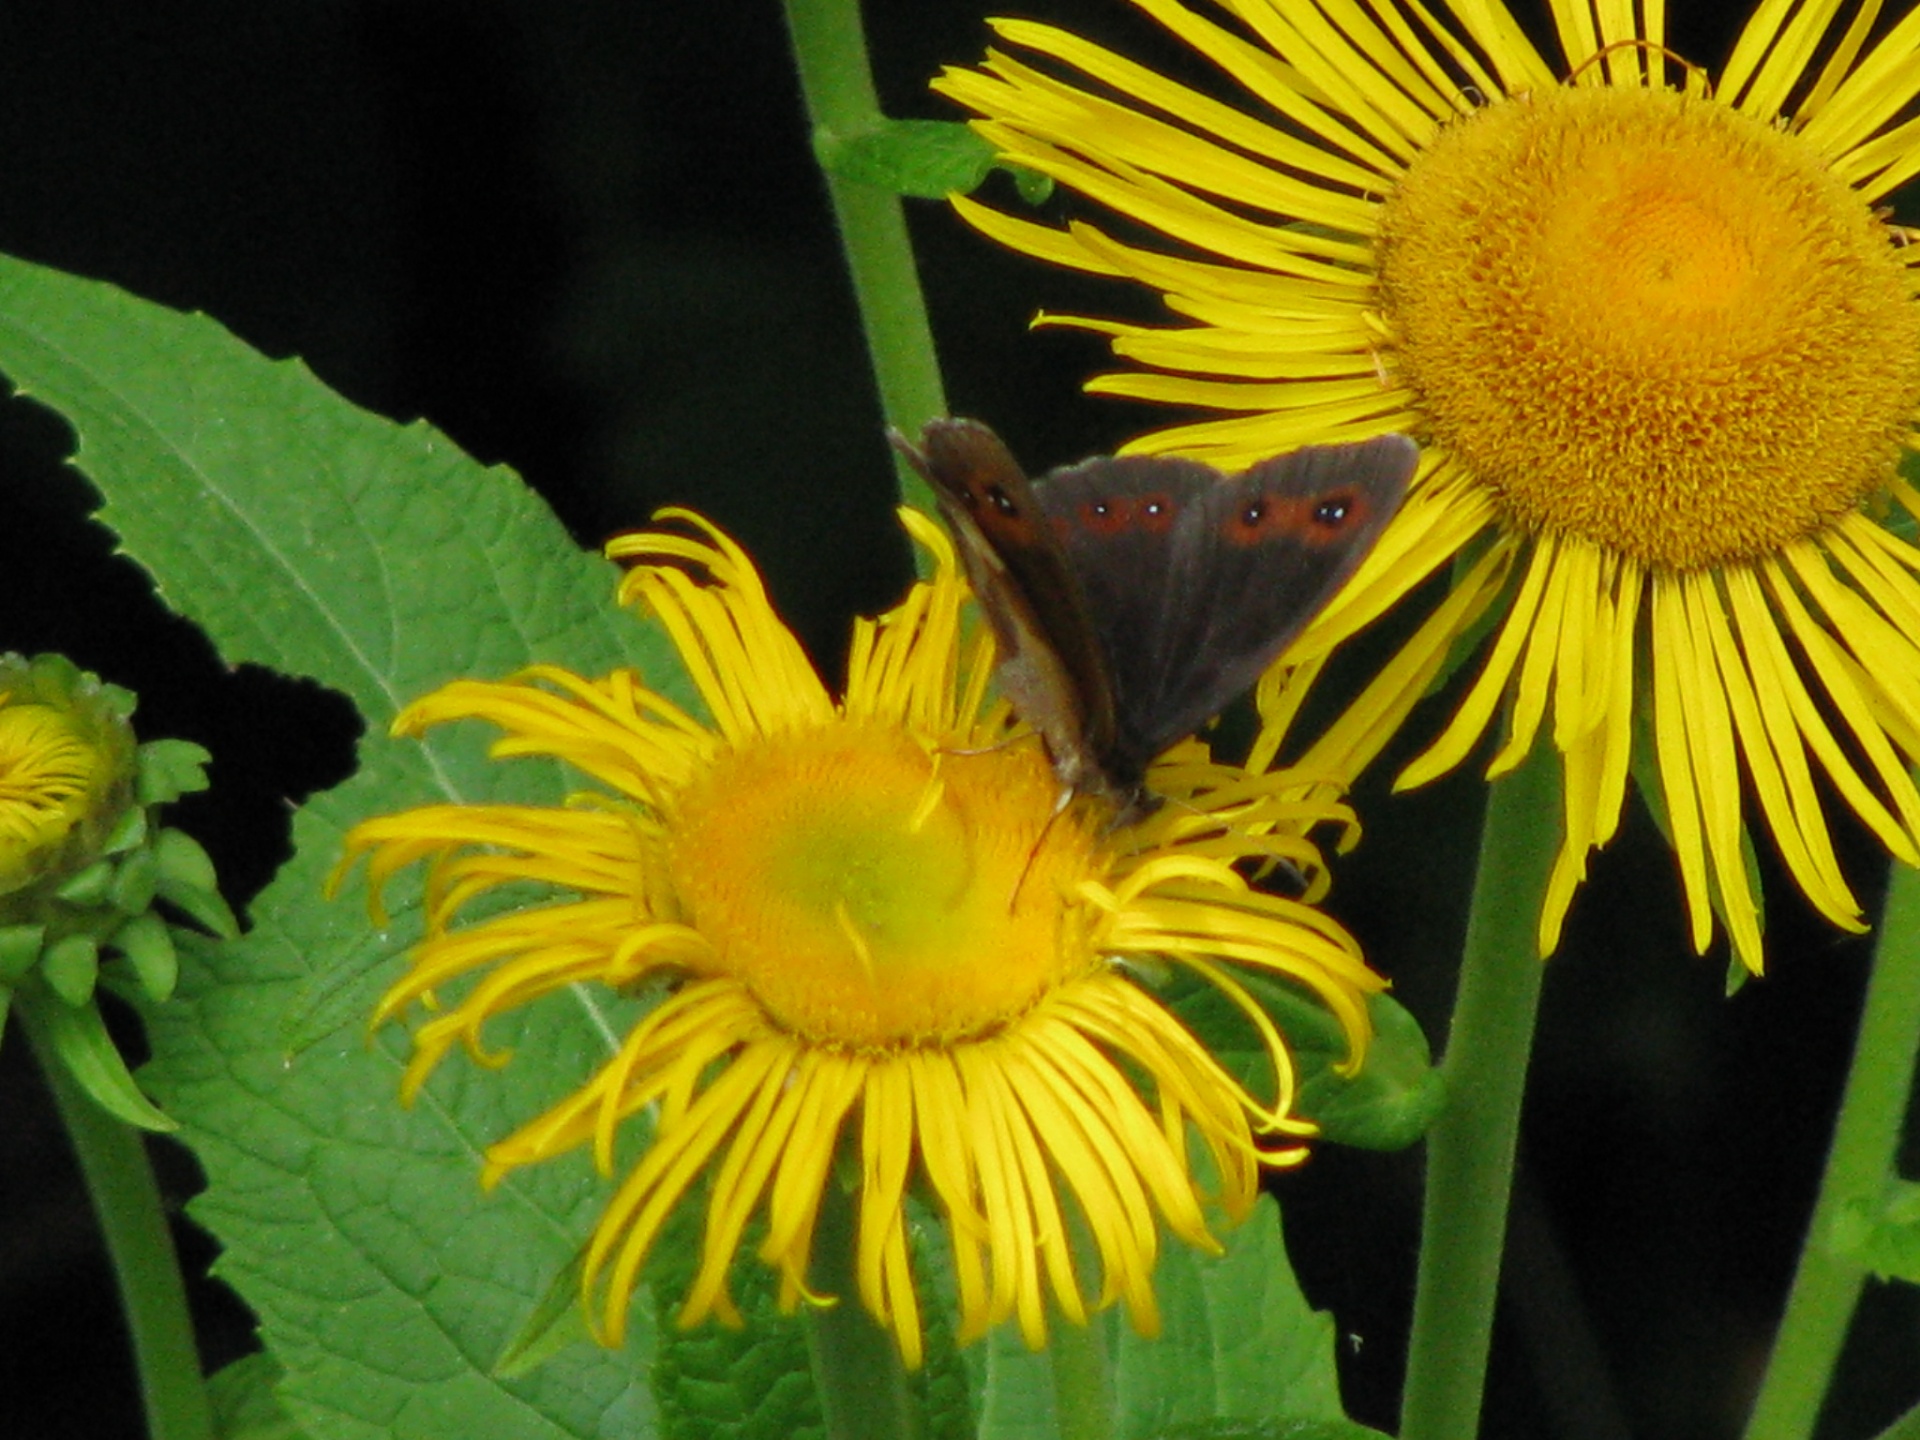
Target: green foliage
x=186 y=882
x=244 y=1405
x=77 y=1035
x=928 y=159
x=170 y=769
x=1272 y=1430
x=1238 y=1339
x=1884 y=1237
x=1238 y=1344
x=396 y=1298
x=19 y=951
x=715 y=1382
x=557 y=1321
x=1391 y=1101
x=310 y=536
x=1385 y=1105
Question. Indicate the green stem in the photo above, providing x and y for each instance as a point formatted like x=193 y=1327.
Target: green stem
x=1866 y=1139
x=1907 y=1427
x=113 y=1159
x=831 y=53
x=1470 y=1149
x=856 y=1363
x=1082 y=1392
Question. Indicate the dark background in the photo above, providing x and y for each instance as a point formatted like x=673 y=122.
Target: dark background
x=587 y=240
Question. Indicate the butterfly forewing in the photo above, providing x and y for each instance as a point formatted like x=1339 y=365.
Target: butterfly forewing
x=1196 y=581
x=1133 y=598
x=1051 y=663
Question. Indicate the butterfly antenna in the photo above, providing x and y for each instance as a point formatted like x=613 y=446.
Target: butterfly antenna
x=1059 y=808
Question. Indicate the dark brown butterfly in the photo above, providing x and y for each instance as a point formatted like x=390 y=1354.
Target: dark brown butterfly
x=1132 y=598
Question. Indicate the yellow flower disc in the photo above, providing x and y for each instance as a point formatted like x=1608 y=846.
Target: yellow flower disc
x=871 y=895
x=1650 y=322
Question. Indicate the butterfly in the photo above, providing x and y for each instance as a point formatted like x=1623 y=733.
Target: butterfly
x=1133 y=597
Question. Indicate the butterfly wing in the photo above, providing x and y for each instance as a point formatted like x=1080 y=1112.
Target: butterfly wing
x=1049 y=660
x=1196 y=581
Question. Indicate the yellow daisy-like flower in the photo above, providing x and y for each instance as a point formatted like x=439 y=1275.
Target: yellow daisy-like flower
x=1661 y=346
x=875 y=932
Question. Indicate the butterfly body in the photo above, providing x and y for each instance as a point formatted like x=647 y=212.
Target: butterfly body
x=1132 y=598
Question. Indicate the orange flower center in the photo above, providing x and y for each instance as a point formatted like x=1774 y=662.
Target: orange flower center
x=873 y=895
x=1651 y=322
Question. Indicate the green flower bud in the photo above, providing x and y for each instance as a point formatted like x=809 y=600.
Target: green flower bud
x=83 y=860
x=67 y=770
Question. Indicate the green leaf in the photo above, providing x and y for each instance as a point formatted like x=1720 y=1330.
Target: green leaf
x=1240 y=1353
x=945 y=1382
x=1014 y=1395
x=555 y=1323
x=1238 y=1339
x=1035 y=188
x=714 y=1382
x=71 y=968
x=927 y=159
x=87 y=887
x=757 y=1381
x=307 y=535
x=1273 y=1430
x=1392 y=1100
x=1387 y=1105
x=135 y=881
x=19 y=950
x=923 y=158
x=148 y=946
x=182 y=861
x=244 y=1405
x=79 y=1037
x=187 y=883
x=1311 y=1030
x=128 y=831
x=1885 y=1237
x=299 y=531
x=170 y=769
x=1893 y=515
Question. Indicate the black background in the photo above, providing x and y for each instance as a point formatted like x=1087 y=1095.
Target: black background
x=587 y=240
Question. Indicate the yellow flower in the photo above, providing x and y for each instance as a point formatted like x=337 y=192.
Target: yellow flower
x=1660 y=344
x=66 y=775
x=872 y=931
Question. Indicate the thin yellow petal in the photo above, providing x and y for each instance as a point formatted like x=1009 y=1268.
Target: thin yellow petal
x=1716 y=773
x=1476 y=709
x=1671 y=723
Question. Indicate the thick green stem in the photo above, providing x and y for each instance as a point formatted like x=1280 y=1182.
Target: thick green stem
x=1907 y=1427
x=856 y=1363
x=831 y=52
x=1866 y=1138
x=1470 y=1150
x=1082 y=1389
x=126 y=1199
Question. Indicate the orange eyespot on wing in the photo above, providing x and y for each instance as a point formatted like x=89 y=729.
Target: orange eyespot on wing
x=1133 y=597
x=1267 y=517
x=1340 y=513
